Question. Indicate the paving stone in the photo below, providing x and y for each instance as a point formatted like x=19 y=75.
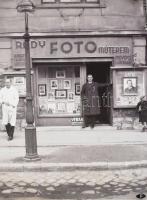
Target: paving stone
x=44 y=184
x=9 y=184
x=8 y=191
x=34 y=184
x=71 y=181
x=88 y=192
x=106 y=186
x=1 y=184
x=50 y=188
x=31 y=190
x=97 y=188
x=21 y=183
x=91 y=184
x=56 y=184
x=18 y=190
x=142 y=182
x=126 y=190
x=83 y=180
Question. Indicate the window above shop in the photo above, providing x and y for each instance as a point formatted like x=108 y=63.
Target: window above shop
x=73 y=3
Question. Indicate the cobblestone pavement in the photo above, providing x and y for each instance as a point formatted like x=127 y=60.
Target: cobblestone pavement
x=73 y=184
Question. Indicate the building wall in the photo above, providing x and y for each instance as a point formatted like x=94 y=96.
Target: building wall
x=114 y=17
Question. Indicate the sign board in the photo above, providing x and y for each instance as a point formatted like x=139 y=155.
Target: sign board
x=129 y=87
x=118 y=48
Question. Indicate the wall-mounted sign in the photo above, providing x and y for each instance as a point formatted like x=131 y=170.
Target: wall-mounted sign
x=129 y=87
x=118 y=48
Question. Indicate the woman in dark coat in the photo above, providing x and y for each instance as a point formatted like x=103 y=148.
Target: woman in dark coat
x=90 y=101
x=142 y=110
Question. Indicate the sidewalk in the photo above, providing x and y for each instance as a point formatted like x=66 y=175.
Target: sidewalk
x=73 y=148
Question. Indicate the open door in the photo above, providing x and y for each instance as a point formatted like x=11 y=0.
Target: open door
x=101 y=74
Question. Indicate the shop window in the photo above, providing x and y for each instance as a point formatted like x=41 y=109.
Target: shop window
x=58 y=91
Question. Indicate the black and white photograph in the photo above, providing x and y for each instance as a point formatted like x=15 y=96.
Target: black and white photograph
x=73 y=99
x=67 y=84
x=60 y=74
x=42 y=89
x=77 y=89
x=60 y=94
x=130 y=85
x=54 y=84
x=70 y=96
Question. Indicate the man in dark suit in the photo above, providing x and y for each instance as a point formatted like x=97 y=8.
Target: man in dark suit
x=130 y=88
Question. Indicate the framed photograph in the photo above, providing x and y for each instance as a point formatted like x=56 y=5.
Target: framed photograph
x=67 y=84
x=54 y=84
x=70 y=96
x=61 y=94
x=42 y=89
x=61 y=107
x=51 y=96
x=129 y=85
x=60 y=74
x=77 y=89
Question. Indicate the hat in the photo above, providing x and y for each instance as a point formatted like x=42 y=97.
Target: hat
x=142 y=97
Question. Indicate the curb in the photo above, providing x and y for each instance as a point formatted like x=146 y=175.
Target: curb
x=46 y=167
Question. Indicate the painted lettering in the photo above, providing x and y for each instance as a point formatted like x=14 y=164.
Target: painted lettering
x=19 y=45
x=53 y=47
x=79 y=43
x=33 y=44
x=42 y=43
x=66 y=47
x=90 y=47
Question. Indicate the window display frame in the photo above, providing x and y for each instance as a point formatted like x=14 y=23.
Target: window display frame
x=77 y=88
x=61 y=94
x=41 y=89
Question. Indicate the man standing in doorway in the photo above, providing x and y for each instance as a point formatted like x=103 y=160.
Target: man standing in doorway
x=9 y=99
x=90 y=101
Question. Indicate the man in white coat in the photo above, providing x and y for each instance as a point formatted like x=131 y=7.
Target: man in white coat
x=9 y=99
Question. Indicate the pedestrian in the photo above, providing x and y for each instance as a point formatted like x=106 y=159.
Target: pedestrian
x=142 y=111
x=9 y=99
x=90 y=101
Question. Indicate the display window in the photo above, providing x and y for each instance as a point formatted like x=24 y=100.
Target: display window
x=58 y=90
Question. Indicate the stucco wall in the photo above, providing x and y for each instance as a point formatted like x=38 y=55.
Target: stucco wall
x=118 y=15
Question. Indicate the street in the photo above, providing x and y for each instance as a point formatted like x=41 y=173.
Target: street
x=109 y=184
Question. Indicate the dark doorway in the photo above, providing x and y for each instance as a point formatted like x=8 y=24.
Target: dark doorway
x=101 y=74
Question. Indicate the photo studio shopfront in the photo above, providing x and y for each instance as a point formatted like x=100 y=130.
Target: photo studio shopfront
x=60 y=67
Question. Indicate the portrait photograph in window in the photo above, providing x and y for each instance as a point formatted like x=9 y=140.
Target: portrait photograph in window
x=60 y=74
x=67 y=84
x=70 y=96
x=51 y=96
x=42 y=89
x=61 y=94
x=77 y=89
x=129 y=85
x=54 y=84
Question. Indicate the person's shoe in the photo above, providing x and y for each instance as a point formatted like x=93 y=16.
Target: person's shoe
x=10 y=138
x=92 y=126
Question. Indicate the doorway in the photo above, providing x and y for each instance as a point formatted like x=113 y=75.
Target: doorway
x=101 y=74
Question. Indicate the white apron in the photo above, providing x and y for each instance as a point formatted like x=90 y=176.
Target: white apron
x=9 y=96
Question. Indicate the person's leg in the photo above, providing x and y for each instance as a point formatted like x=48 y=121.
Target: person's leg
x=12 y=132
x=92 y=123
x=143 y=126
x=85 y=122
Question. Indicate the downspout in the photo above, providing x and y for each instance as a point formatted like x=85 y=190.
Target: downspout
x=145 y=14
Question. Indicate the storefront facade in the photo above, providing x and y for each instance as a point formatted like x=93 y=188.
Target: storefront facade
x=61 y=62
